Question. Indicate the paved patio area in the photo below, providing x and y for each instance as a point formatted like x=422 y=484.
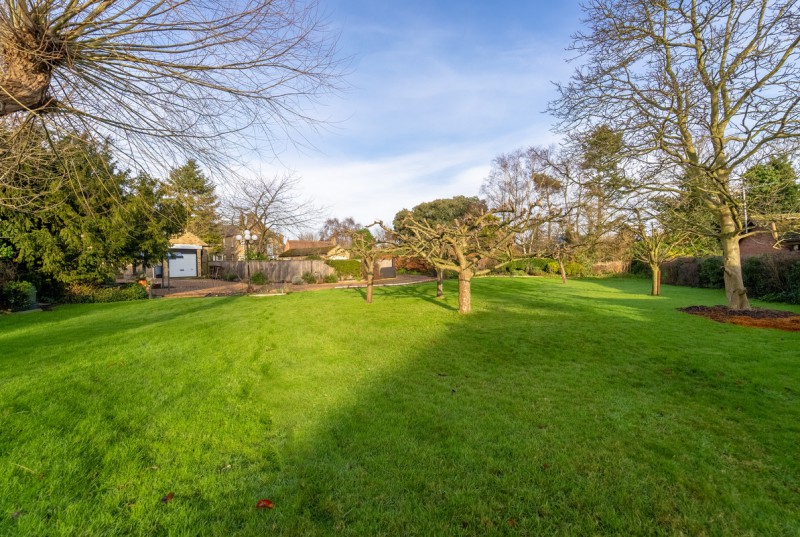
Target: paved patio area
x=200 y=287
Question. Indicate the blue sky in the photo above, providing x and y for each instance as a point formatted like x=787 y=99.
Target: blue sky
x=436 y=90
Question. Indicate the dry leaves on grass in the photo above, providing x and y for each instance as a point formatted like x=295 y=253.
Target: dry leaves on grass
x=264 y=504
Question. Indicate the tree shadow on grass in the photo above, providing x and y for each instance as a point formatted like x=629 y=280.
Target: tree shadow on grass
x=536 y=432
x=87 y=322
x=528 y=417
x=425 y=291
x=508 y=426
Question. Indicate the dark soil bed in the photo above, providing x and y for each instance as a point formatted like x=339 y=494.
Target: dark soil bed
x=757 y=317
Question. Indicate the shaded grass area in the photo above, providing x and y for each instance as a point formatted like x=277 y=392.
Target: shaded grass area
x=582 y=409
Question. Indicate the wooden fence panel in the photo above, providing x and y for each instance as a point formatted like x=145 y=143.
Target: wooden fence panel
x=274 y=271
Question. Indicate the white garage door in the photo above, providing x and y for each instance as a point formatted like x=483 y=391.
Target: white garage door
x=183 y=264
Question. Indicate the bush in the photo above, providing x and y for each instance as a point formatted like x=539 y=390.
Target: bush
x=756 y=277
x=258 y=278
x=793 y=294
x=347 y=269
x=773 y=277
x=18 y=296
x=231 y=277
x=87 y=294
x=527 y=265
x=552 y=267
x=331 y=278
x=574 y=269
x=309 y=277
x=682 y=271
x=712 y=274
x=770 y=277
x=297 y=280
x=640 y=268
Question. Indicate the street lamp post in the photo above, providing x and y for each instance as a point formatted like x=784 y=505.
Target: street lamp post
x=245 y=238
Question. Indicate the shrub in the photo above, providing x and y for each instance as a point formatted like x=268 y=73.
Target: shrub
x=682 y=271
x=297 y=280
x=331 y=278
x=231 y=277
x=640 y=268
x=711 y=273
x=552 y=267
x=87 y=294
x=793 y=294
x=18 y=296
x=258 y=278
x=413 y=265
x=527 y=265
x=756 y=277
x=347 y=269
x=574 y=269
x=773 y=277
x=309 y=277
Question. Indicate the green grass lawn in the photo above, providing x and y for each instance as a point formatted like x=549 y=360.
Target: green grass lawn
x=583 y=409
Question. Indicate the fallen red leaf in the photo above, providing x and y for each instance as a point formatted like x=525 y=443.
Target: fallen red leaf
x=168 y=498
x=264 y=504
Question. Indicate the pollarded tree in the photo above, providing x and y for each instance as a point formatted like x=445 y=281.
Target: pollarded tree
x=161 y=78
x=461 y=245
x=439 y=212
x=363 y=246
x=702 y=86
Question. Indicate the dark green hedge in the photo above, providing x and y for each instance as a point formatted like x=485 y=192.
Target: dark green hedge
x=346 y=268
x=771 y=277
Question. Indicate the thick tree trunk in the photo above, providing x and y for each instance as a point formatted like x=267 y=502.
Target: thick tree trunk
x=734 y=283
x=464 y=291
x=732 y=262
x=368 y=271
x=439 y=283
x=655 y=290
x=25 y=81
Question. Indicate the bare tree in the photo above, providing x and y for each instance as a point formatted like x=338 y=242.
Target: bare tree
x=341 y=230
x=163 y=80
x=273 y=205
x=703 y=86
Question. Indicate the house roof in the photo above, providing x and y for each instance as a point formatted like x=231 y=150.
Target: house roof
x=187 y=238
x=295 y=245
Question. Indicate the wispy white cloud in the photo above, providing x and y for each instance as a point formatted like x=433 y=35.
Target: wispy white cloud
x=433 y=101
